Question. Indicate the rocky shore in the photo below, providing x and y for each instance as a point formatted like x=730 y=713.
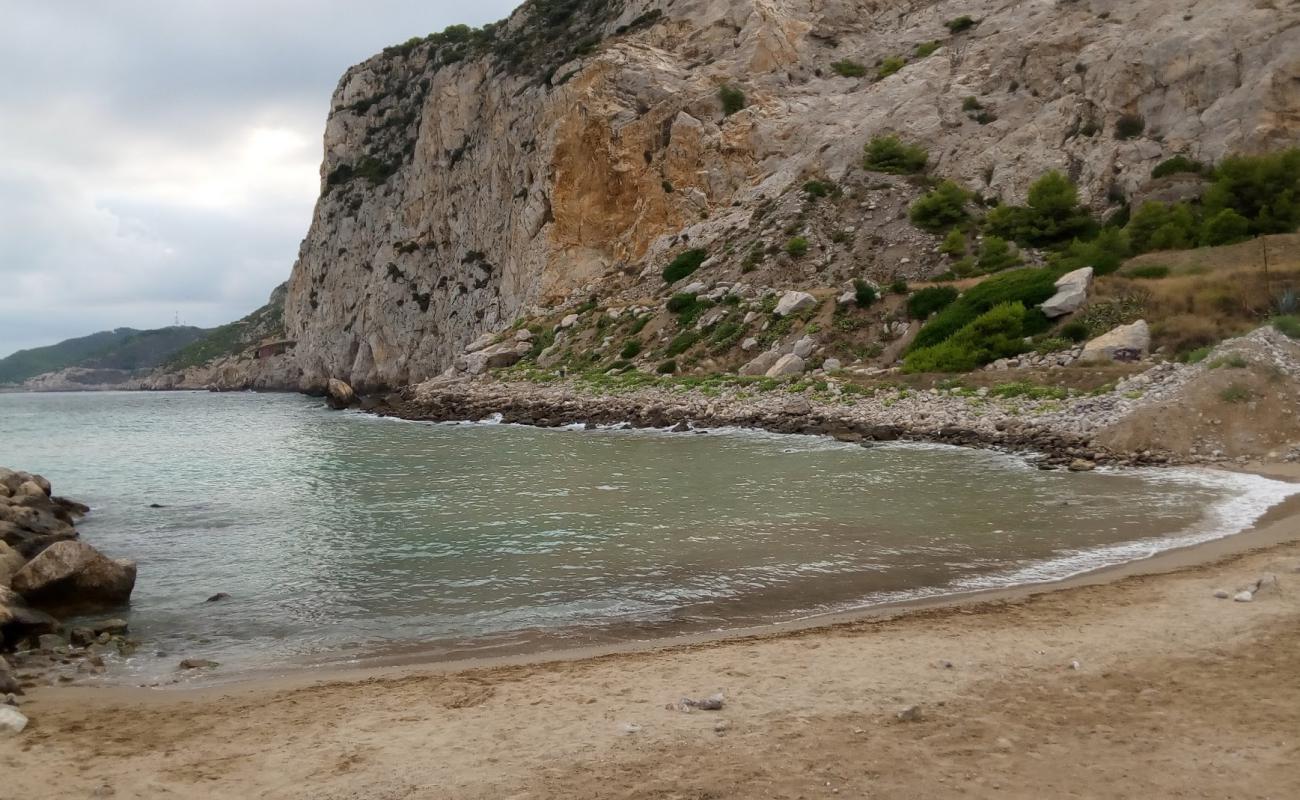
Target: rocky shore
x=1058 y=428
x=47 y=572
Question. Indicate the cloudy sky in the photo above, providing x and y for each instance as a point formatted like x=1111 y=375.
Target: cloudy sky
x=161 y=157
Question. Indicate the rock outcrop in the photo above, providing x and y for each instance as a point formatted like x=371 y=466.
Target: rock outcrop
x=43 y=564
x=73 y=576
x=475 y=177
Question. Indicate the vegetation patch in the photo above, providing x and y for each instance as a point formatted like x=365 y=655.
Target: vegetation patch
x=889 y=154
x=847 y=68
x=941 y=208
x=733 y=100
x=996 y=333
x=684 y=264
x=1029 y=287
x=930 y=300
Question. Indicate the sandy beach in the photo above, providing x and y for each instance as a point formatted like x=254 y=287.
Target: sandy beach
x=1136 y=682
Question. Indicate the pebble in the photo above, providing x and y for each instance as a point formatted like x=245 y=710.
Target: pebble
x=197 y=663
x=1075 y=665
x=1222 y=594
x=1244 y=596
x=12 y=721
x=911 y=714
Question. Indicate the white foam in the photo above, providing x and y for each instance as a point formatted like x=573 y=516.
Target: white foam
x=1250 y=497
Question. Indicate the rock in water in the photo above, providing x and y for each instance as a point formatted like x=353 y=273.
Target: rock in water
x=339 y=395
x=74 y=576
x=217 y=598
x=12 y=721
x=198 y=663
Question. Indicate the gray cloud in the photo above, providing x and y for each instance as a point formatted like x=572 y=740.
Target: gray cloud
x=161 y=158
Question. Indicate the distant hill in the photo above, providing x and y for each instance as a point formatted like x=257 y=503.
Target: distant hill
x=123 y=349
x=233 y=337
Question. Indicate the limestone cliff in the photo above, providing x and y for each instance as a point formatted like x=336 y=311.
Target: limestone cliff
x=475 y=176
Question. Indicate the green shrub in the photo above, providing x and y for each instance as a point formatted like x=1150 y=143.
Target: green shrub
x=1105 y=254
x=889 y=66
x=1148 y=272
x=925 y=49
x=1288 y=324
x=959 y=24
x=667 y=367
x=631 y=349
x=682 y=342
x=797 y=246
x=1075 y=331
x=889 y=154
x=1236 y=393
x=930 y=300
x=1161 y=226
x=941 y=208
x=996 y=255
x=849 y=69
x=954 y=244
x=817 y=188
x=684 y=264
x=1026 y=286
x=898 y=286
x=680 y=302
x=996 y=333
x=1130 y=126
x=1225 y=227
x=971 y=104
x=1176 y=165
x=733 y=100
x=666 y=186
x=1198 y=355
x=1264 y=189
x=1052 y=214
x=864 y=294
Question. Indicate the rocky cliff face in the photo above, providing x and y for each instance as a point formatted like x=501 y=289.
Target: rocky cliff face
x=572 y=149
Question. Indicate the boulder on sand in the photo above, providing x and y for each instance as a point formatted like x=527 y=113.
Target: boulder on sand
x=339 y=395
x=72 y=576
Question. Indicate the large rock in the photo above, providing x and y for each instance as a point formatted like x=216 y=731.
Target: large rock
x=494 y=357
x=19 y=620
x=73 y=576
x=804 y=347
x=1071 y=292
x=1125 y=343
x=339 y=394
x=761 y=363
x=790 y=364
x=793 y=302
x=10 y=562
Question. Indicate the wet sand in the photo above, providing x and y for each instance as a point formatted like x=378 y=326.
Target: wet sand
x=1177 y=693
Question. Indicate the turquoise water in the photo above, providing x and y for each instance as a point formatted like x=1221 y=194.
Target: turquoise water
x=342 y=537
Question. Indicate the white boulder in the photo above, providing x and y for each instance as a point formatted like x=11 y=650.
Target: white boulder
x=1071 y=292
x=786 y=365
x=793 y=302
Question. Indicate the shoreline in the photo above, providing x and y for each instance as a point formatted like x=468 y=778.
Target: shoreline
x=1037 y=691
x=1278 y=526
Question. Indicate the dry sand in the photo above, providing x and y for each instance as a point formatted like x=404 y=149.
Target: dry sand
x=1176 y=694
